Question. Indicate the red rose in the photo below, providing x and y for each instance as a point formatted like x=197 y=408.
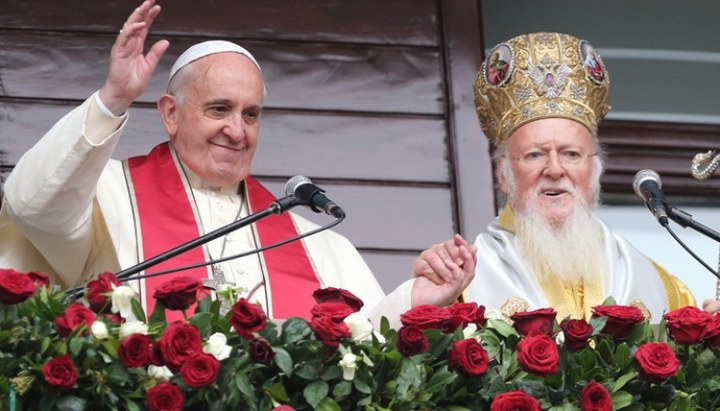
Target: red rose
x=283 y=408
x=513 y=401
x=538 y=354
x=336 y=311
x=577 y=333
x=541 y=320
x=60 y=372
x=134 y=350
x=331 y=294
x=411 y=340
x=39 y=279
x=98 y=291
x=687 y=325
x=462 y=314
x=621 y=318
x=712 y=331
x=179 y=342
x=115 y=319
x=468 y=357
x=178 y=294
x=156 y=357
x=247 y=318
x=200 y=370
x=328 y=331
x=656 y=362
x=260 y=350
x=165 y=397
x=595 y=397
x=15 y=287
x=75 y=315
x=426 y=317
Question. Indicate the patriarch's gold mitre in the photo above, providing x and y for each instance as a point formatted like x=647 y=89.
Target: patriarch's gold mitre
x=540 y=75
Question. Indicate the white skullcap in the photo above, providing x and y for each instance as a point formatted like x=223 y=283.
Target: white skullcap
x=207 y=48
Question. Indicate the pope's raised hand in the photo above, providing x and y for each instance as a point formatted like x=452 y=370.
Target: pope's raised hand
x=130 y=69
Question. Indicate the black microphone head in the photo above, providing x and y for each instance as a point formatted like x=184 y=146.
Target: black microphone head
x=294 y=182
x=643 y=176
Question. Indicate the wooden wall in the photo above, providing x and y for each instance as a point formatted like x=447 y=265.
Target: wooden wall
x=372 y=99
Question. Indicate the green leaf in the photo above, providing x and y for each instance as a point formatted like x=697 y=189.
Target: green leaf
x=501 y=327
x=564 y=407
x=203 y=306
x=621 y=399
x=76 y=345
x=137 y=310
x=118 y=374
x=623 y=357
x=294 y=329
x=242 y=382
x=328 y=404
x=620 y=382
x=342 y=389
x=598 y=323
x=315 y=392
x=283 y=360
x=362 y=386
x=132 y=405
x=681 y=403
x=44 y=345
x=158 y=315
x=277 y=392
x=439 y=381
x=203 y=322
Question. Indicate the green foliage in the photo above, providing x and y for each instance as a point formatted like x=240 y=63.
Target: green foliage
x=307 y=375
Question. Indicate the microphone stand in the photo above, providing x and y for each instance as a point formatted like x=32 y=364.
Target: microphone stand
x=277 y=207
x=685 y=219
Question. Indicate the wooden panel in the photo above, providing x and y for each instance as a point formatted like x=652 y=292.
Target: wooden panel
x=325 y=146
x=366 y=21
x=473 y=180
x=396 y=218
x=300 y=76
x=667 y=148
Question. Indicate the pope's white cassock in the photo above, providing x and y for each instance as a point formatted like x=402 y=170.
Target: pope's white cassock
x=68 y=212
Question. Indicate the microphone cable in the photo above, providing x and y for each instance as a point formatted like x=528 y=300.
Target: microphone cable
x=695 y=256
x=241 y=255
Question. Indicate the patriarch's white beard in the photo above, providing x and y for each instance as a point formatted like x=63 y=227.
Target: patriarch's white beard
x=571 y=250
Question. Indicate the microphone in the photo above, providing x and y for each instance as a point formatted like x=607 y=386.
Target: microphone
x=313 y=196
x=647 y=185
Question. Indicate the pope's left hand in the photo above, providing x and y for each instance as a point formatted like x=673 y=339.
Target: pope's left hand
x=459 y=272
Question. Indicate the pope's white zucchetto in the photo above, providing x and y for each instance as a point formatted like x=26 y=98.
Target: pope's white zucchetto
x=207 y=48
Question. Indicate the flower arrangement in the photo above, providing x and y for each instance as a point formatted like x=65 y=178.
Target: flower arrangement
x=102 y=352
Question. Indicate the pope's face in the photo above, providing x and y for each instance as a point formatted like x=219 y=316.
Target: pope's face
x=552 y=164
x=214 y=125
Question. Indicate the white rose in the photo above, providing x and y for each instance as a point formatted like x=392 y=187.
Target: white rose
x=359 y=325
x=133 y=327
x=159 y=373
x=349 y=365
x=217 y=346
x=99 y=330
x=122 y=302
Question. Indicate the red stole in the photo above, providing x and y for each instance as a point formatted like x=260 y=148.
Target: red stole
x=166 y=217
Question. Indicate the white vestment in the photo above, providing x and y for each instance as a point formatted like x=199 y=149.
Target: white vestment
x=502 y=273
x=67 y=212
